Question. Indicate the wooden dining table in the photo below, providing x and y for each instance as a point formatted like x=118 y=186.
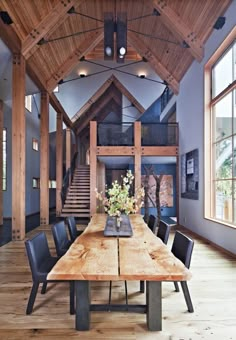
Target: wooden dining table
x=94 y=257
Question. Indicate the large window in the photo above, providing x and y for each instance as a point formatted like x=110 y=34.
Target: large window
x=220 y=153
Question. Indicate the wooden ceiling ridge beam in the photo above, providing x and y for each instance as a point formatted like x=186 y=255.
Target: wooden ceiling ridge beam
x=91 y=41
x=155 y=63
x=179 y=29
x=93 y=112
x=127 y=94
x=47 y=25
x=93 y=99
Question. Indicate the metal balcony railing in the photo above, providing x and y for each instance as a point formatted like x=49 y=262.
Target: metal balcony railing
x=159 y=134
x=110 y=134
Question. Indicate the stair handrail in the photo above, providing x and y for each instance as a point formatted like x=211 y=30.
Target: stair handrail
x=68 y=178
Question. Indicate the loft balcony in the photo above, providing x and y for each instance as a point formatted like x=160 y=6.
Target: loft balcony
x=158 y=134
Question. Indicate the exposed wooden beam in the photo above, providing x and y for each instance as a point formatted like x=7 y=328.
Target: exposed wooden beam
x=18 y=147
x=9 y=37
x=93 y=112
x=156 y=64
x=57 y=14
x=59 y=162
x=127 y=94
x=93 y=99
x=91 y=40
x=178 y=28
x=59 y=108
x=44 y=159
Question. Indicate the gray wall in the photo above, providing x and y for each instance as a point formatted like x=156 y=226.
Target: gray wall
x=190 y=115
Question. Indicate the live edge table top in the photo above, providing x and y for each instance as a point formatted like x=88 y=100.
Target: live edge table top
x=141 y=257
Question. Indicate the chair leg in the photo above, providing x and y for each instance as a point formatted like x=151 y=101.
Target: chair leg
x=126 y=294
x=44 y=288
x=72 y=297
x=110 y=288
x=32 y=297
x=176 y=286
x=142 y=286
x=187 y=296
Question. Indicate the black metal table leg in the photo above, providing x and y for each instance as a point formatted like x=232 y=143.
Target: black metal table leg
x=154 y=306
x=82 y=316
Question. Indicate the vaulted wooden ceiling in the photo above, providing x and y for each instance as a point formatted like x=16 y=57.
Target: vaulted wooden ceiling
x=161 y=40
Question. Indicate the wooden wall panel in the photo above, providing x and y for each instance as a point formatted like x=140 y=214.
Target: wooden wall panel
x=44 y=159
x=18 y=147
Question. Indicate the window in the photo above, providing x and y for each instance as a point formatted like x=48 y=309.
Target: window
x=52 y=184
x=220 y=129
x=56 y=90
x=36 y=183
x=28 y=103
x=35 y=144
x=4 y=159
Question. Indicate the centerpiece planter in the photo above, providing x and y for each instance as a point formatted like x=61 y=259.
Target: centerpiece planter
x=118 y=226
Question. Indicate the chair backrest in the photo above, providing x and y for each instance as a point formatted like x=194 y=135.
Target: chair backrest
x=60 y=237
x=38 y=252
x=163 y=232
x=182 y=248
x=152 y=222
x=72 y=228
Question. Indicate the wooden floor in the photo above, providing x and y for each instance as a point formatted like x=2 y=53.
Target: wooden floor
x=213 y=291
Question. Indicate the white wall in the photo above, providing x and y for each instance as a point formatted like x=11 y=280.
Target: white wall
x=190 y=115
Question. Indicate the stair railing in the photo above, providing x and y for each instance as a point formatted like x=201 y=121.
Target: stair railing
x=68 y=178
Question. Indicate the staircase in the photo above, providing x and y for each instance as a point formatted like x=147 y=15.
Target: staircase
x=77 y=201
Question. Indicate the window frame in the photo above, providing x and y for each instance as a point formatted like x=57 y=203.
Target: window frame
x=209 y=142
x=34 y=140
x=29 y=102
x=37 y=181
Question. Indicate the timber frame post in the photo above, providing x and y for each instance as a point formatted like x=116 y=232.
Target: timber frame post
x=137 y=155
x=18 y=147
x=93 y=166
x=68 y=149
x=44 y=159
x=59 y=161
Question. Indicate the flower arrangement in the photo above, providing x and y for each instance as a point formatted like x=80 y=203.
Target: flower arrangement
x=117 y=199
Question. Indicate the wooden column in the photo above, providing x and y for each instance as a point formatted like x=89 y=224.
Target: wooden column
x=59 y=161
x=68 y=148
x=137 y=155
x=93 y=166
x=18 y=147
x=1 y=129
x=44 y=159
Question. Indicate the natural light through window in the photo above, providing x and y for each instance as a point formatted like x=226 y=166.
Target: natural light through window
x=221 y=123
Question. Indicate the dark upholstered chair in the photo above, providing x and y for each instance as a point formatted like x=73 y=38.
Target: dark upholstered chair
x=163 y=232
x=62 y=243
x=74 y=233
x=152 y=223
x=41 y=262
x=182 y=248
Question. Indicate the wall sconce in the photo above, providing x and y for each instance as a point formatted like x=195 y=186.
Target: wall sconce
x=142 y=76
x=82 y=75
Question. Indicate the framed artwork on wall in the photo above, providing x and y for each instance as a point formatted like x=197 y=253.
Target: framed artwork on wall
x=190 y=175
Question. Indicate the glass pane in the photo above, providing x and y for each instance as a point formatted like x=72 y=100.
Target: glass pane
x=223 y=157
x=222 y=73
x=234 y=158
x=4 y=184
x=223 y=199
x=223 y=117
x=4 y=135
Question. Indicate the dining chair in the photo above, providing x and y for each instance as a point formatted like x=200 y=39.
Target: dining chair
x=74 y=233
x=61 y=240
x=152 y=223
x=182 y=248
x=163 y=231
x=41 y=263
